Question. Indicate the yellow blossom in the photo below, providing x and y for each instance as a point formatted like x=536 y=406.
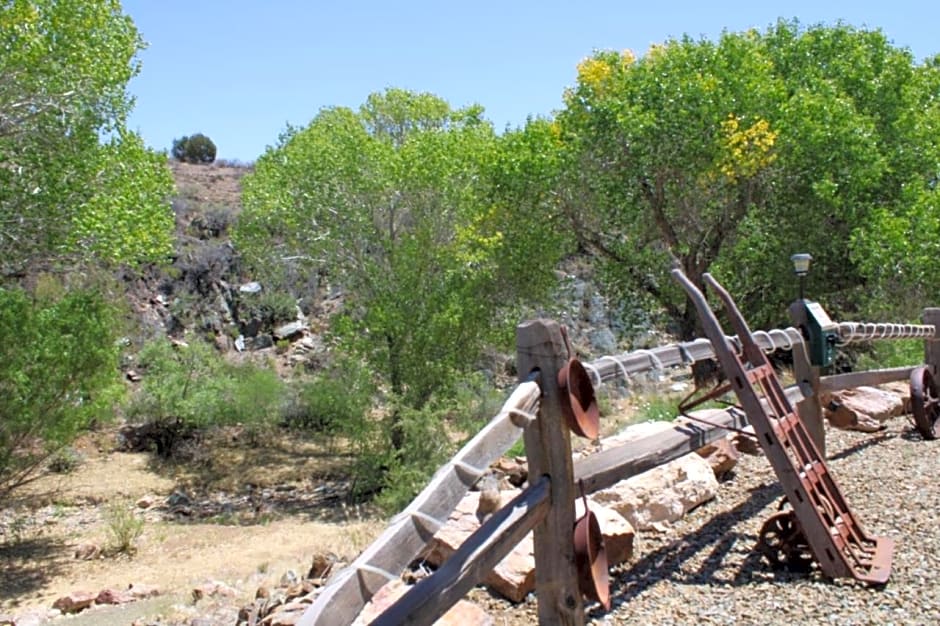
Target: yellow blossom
x=747 y=151
x=593 y=72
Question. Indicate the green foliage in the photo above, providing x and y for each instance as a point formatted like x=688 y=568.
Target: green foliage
x=657 y=408
x=124 y=528
x=270 y=308
x=58 y=374
x=416 y=211
x=398 y=475
x=337 y=401
x=65 y=460
x=188 y=388
x=729 y=156
x=75 y=183
x=194 y=149
x=888 y=354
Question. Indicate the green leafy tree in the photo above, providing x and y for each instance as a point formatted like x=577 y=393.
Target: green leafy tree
x=729 y=156
x=194 y=149
x=408 y=205
x=74 y=183
x=58 y=358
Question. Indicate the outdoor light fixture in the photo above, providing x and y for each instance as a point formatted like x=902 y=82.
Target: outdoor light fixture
x=820 y=332
x=801 y=262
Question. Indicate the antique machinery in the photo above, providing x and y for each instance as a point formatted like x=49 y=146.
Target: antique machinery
x=819 y=525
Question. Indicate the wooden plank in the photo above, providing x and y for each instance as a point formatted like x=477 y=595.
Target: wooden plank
x=409 y=532
x=852 y=380
x=608 y=467
x=481 y=552
x=541 y=346
x=932 y=344
x=807 y=376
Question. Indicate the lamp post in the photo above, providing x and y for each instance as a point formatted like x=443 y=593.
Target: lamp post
x=801 y=263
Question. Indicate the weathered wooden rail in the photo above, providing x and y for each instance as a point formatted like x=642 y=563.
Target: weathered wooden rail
x=546 y=506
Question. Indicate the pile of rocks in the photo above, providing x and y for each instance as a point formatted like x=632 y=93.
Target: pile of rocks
x=284 y=605
x=78 y=601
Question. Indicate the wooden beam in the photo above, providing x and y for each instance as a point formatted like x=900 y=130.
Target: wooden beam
x=541 y=346
x=809 y=408
x=608 y=467
x=828 y=384
x=932 y=344
x=428 y=600
x=409 y=532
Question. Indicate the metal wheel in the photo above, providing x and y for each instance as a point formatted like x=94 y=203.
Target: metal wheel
x=782 y=541
x=925 y=403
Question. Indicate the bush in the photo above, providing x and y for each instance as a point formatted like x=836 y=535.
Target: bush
x=335 y=402
x=188 y=388
x=58 y=373
x=265 y=310
x=124 y=528
x=195 y=149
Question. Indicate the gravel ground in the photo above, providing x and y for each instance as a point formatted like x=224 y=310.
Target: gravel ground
x=704 y=569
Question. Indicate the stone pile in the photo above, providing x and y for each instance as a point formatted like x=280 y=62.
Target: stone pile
x=284 y=605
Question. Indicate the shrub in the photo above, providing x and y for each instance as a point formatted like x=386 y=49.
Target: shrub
x=194 y=149
x=188 y=388
x=58 y=373
x=64 y=461
x=124 y=528
x=266 y=310
x=335 y=402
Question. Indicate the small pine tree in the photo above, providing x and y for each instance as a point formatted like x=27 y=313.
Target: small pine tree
x=195 y=149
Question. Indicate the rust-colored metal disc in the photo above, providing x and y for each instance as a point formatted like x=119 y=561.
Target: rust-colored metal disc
x=578 y=401
x=591 y=559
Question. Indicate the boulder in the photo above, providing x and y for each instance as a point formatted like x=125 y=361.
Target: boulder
x=75 y=601
x=114 y=596
x=663 y=494
x=463 y=613
x=211 y=589
x=87 y=551
x=722 y=455
x=287 y=331
x=514 y=576
x=863 y=408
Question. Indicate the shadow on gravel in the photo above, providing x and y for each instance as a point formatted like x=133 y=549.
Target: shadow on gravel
x=861 y=445
x=717 y=536
x=26 y=565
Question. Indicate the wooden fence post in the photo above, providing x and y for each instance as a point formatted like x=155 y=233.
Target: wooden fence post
x=540 y=345
x=807 y=378
x=932 y=344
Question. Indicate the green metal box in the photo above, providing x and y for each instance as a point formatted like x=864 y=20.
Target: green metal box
x=823 y=335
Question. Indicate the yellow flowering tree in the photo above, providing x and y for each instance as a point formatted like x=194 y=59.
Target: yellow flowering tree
x=730 y=155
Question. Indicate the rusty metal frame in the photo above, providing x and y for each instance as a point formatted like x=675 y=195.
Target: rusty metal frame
x=836 y=538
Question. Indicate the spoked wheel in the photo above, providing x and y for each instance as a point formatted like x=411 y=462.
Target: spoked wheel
x=925 y=403
x=782 y=541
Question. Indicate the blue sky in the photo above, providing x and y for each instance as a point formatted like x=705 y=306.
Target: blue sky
x=240 y=70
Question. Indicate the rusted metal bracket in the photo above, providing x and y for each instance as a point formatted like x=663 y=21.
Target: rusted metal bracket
x=821 y=518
